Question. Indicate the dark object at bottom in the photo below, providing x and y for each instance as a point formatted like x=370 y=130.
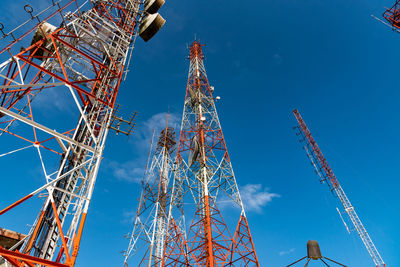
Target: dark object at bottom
x=313 y=250
x=314 y=253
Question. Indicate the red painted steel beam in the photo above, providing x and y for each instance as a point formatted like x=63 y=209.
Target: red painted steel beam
x=20 y=256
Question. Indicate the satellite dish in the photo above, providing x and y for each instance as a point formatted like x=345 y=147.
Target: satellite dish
x=194 y=150
x=152 y=6
x=151 y=24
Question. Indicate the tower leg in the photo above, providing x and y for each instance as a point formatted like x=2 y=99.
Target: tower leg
x=296 y=261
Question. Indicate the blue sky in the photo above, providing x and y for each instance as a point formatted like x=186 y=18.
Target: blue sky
x=330 y=60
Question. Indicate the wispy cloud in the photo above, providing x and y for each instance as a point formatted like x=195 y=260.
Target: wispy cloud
x=156 y=123
x=128 y=216
x=177 y=20
x=277 y=58
x=255 y=197
x=55 y=99
x=130 y=171
x=133 y=170
x=285 y=252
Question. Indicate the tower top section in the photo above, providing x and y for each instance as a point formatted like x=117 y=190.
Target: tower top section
x=196 y=50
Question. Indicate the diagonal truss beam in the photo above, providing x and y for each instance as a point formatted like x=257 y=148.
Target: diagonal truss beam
x=45 y=129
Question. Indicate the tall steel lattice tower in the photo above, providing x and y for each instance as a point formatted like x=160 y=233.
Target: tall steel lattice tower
x=326 y=174
x=147 y=239
x=86 y=57
x=204 y=180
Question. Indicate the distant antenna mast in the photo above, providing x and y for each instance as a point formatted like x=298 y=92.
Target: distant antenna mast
x=149 y=228
x=392 y=15
x=325 y=172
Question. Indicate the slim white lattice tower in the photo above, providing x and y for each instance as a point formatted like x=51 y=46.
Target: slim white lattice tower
x=147 y=239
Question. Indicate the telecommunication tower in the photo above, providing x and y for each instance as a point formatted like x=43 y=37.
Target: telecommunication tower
x=204 y=180
x=326 y=175
x=147 y=239
x=87 y=56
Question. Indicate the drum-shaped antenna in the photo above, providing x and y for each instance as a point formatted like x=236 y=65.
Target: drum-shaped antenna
x=152 y=6
x=313 y=250
x=42 y=31
x=194 y=150
x=193 y=97
x=151 y=24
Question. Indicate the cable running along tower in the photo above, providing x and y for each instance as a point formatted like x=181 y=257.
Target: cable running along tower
x=86 y=57
x=326 y=174
x=147 y=239
x=203 y=182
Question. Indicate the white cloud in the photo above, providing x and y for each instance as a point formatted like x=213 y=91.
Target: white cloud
x=277 y=59
x=129 y=216
x=285 y=252
x=159 y=121
x=156 y=123
x=132 y=171
x=55 y=99
x=255 y=197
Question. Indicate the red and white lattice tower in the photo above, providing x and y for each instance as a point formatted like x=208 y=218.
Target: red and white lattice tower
x=327 y=176
x=205 y=193
x=86 y=56
x=146 y=245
